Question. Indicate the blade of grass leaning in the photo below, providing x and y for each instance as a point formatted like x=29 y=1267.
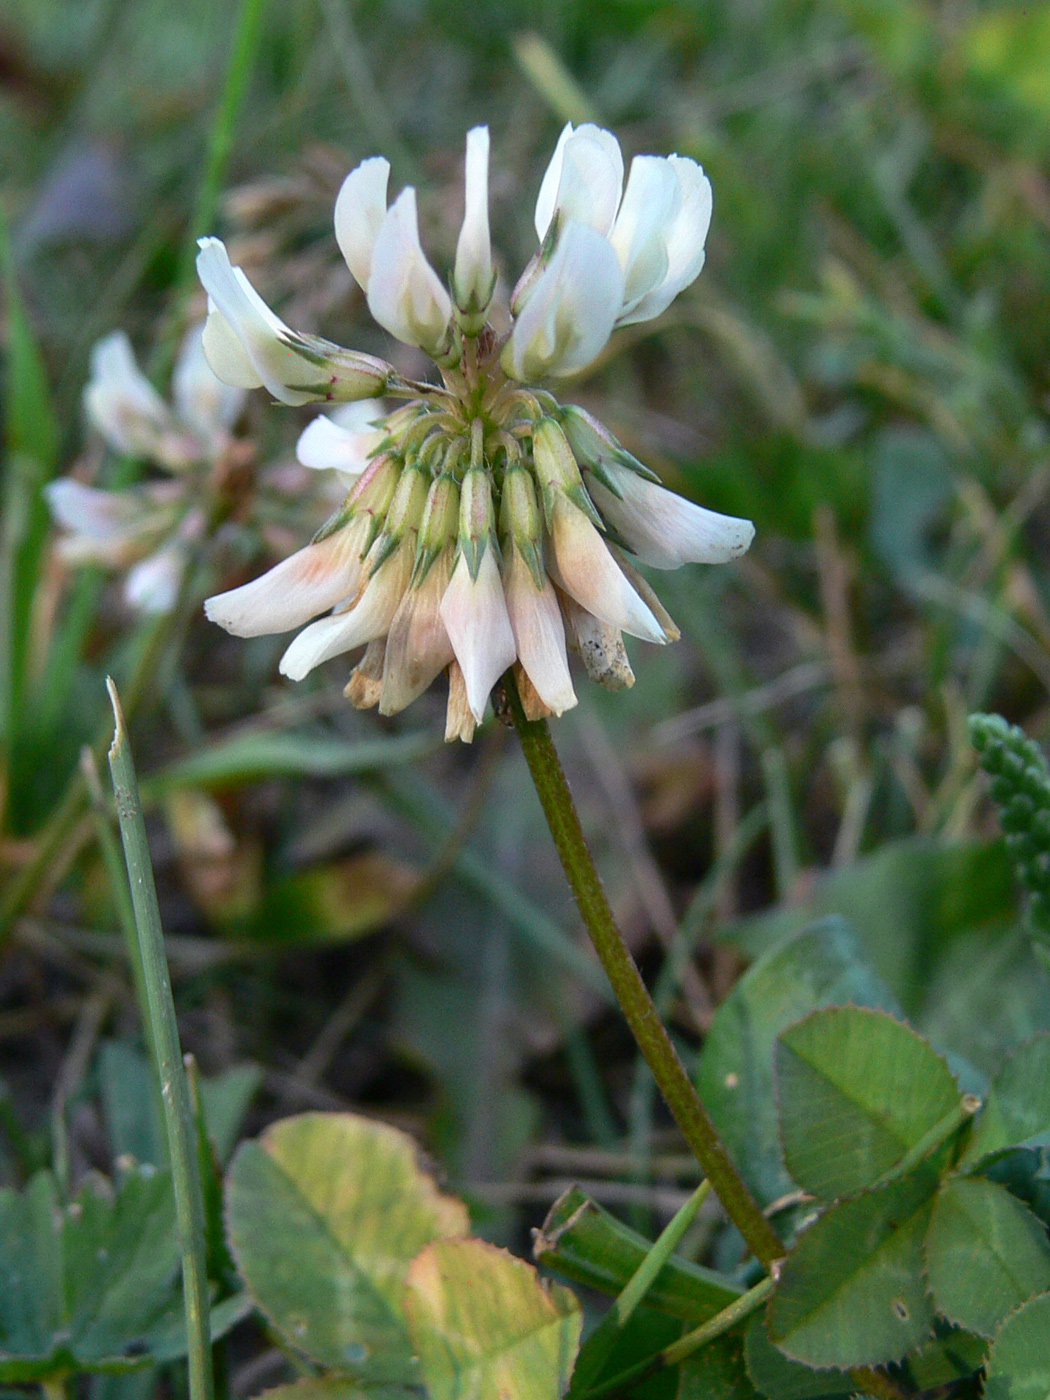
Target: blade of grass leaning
x=600 y=1343
x=30 y=440
x=246 y=35
x=162 y=1033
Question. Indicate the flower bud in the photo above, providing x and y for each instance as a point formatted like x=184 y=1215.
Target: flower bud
x=521 y=521
x=595 y=447
x=557 y=471
x=370 y=497
x=404 y=515
x=439 y=525
x=476 y=518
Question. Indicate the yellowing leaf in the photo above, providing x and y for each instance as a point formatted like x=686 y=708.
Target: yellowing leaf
x=324 y=1213
x=485 y=1328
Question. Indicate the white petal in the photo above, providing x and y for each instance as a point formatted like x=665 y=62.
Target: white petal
x=367 y=619
x=685 y=238
x=474 y=612
x=405 y=294
x=296 y=589
x=539 y=635
x=474 y=277
x=260 y=332
x=342 y=440
x=417 y=646
x=203 y=402
x=152 y=585
x=360 y=209
x=571 y=310
x=583 y=181
x=640 y=232
x=549 y=185
x=86 y=510
x=121 y=402
x=664 y=529
x=223 y=350
x=585 y=569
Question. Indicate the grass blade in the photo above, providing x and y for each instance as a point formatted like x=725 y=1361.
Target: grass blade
x=162 y=1034
x=601 y=1341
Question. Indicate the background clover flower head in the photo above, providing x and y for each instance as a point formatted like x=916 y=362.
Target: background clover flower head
x=486 y=525
x=148 y=529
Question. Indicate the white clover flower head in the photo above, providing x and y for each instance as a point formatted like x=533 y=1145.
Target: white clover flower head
x=149 y=529
x=487 y=525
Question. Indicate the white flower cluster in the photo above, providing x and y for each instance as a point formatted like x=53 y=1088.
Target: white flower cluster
x=487 y=525
x=148 y=529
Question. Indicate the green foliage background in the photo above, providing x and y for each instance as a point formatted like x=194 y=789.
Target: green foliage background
x=863 y=369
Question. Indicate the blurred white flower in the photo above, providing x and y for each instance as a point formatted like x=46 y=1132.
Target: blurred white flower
x=148 y=529
x=486 y=526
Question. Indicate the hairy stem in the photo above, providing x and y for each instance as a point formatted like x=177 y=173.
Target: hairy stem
x=631 y=992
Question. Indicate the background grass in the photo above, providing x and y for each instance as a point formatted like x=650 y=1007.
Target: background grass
x=862 y=369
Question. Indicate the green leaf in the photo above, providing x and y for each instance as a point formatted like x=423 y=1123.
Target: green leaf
x=645 y=1334
x=169 y=1337
x=779 y=1378
x=1016 y=1112
x=485 y=1327
x=717 y=1372
x=582 y=1241
x=271 y=754
x=909 y=903
x=92 y=1285
x=130 y=1103
x=225 y=1098
x=337 y=1388
x=856 y=1090
x=952 y=1355
x=324 y=1213
x=1019 y=1362
x=851 y=1291
x=820 y=966
x=986 y=1253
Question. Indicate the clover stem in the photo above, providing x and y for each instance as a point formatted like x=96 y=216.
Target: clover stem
x=631 y=992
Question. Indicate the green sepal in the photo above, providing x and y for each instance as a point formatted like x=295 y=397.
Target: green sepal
x=580 y=498
x=473 y=550
x=628 y=460
x=335 y=522
x=600 y=471
x=425 y=559
x=387 y=546
x=532 y=553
